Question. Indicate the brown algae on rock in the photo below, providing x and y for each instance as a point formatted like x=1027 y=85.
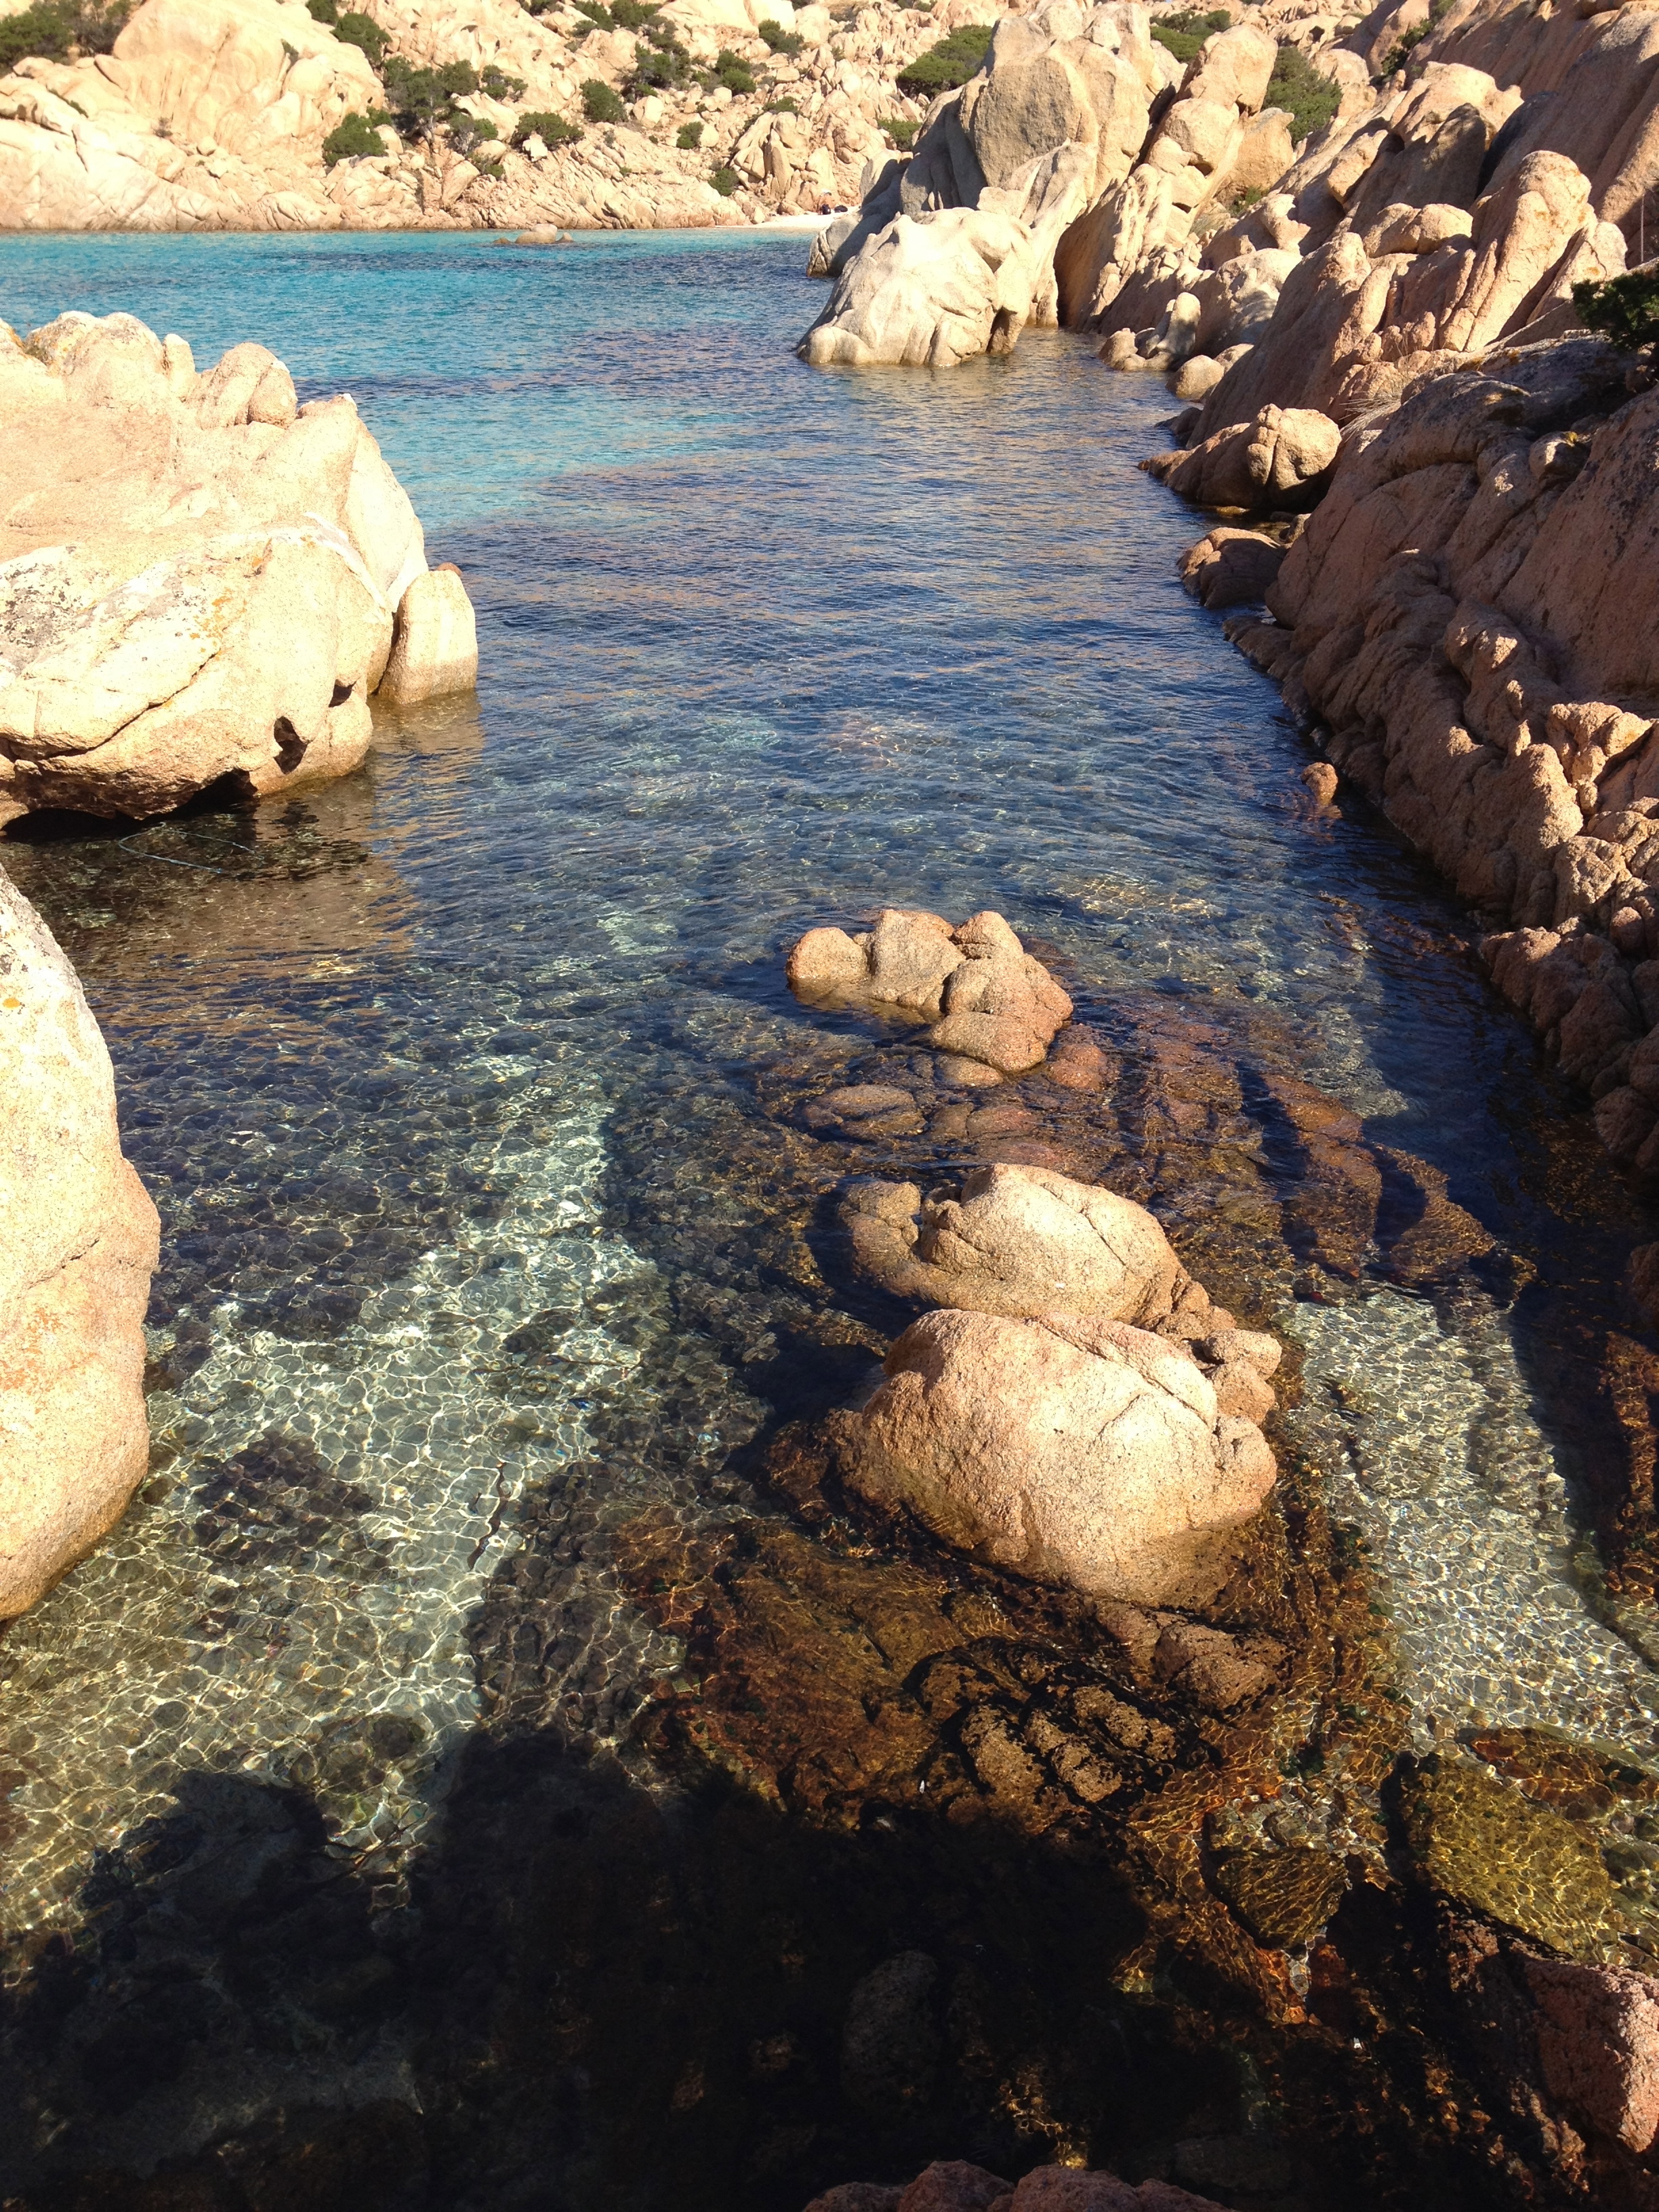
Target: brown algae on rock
x=1479 y=1840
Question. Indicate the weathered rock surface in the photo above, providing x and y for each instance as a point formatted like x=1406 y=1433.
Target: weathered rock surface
x=954 y=254
x=1278 y=461
x=1020 y=1241
x=1455 y=615
x=1070 y=1449
x=75 y=1263
x=197 y=577
x=1231 y=567
x=983 y=995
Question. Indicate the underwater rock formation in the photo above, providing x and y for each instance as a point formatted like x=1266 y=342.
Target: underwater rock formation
x=198 y=577
x=954 y=2186
x=984 y=996
x=80 y=1245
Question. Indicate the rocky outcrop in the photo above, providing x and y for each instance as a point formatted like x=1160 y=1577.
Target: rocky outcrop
x=1276 y=462
x=982 y=996
x=1454 y=620
x=955 y=253
x=198 y=578
x=1211 y=142
x=75 y=1267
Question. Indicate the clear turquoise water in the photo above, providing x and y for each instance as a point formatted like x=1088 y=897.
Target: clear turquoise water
x=446 y=1075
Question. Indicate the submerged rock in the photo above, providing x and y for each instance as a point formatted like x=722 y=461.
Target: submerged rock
x=198 y=578
x=954 y=2186
x=1074 y=1451
x=984 y=995
x=80 y=1247
x=1482 y=1842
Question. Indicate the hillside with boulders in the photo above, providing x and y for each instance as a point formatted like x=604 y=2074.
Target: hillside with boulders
x=423 y=114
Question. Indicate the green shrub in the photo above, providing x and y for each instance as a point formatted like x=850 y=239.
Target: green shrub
x=422 y=98
x=356 y=29
x=596 y=12
x=51 y=27
x=658 y=66
x=354 y=137
x=1296 y=85
x=901 y=130
x=499 y=86
x=599 y=103
x=1400 y=51
x=1624 y=308
x=551 y=130
x=725 y=182
x=733 y=72
x=1184 y=35
x=784 y=106
x=689 y=137
x=466 y=132
x=779 y=40
x=634 y=15
x=948 y=64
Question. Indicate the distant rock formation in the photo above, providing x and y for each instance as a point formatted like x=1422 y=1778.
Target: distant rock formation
x=75 y=1262
x=222 y=115
x=198 y=578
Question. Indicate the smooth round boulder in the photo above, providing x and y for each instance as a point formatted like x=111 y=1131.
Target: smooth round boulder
x=1072 y=1450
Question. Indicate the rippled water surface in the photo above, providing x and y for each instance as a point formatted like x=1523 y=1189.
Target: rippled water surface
x=443 y=1078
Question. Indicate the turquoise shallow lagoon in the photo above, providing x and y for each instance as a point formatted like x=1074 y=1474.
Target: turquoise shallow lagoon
x=443 y=1078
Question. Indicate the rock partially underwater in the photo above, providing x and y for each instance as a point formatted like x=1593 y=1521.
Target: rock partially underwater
x=80 y=1245
x=200 y=579
x=1038 y=1421
x=983 y=997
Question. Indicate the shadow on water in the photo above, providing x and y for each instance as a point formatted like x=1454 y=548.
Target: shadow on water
x=610 y=1994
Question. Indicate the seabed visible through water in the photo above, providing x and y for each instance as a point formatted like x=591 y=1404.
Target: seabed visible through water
x=444 y=1079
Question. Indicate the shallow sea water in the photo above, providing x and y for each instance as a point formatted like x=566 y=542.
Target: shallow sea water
x=761 y=648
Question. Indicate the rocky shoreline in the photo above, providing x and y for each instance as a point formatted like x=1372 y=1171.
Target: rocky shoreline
x=1055 y=1580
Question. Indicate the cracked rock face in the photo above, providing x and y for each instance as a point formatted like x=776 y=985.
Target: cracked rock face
x=75 y=1267
x=984 y=997
x=1070 y=1449
x=198 y=578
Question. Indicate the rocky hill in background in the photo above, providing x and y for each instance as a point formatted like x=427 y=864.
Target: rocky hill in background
x=424 y=114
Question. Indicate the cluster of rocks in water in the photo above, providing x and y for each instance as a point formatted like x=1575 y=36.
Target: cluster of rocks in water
x=1074 y=1407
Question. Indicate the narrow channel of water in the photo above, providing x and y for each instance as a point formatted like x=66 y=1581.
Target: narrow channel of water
x=444 y=1078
